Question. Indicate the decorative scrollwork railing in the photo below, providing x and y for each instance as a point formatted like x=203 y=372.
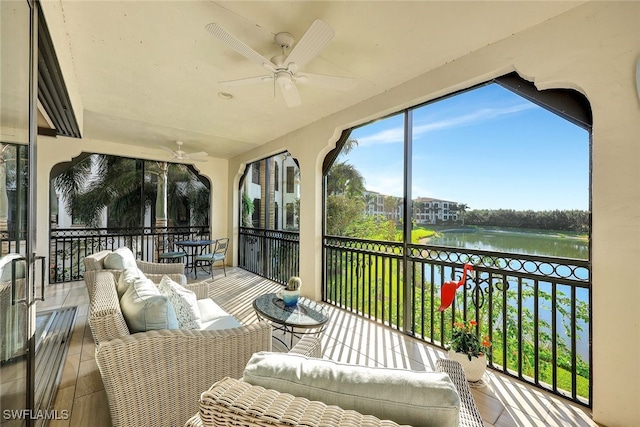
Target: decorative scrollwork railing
x=69 y=246
x=274 y=254
x=534 y=309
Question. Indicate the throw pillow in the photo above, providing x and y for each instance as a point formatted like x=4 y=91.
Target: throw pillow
x=403 y=396
x=184 y=302
x=120 y=259
x=145 y=309
x=128 y=276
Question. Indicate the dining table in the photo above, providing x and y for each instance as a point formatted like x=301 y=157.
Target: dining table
x=193 y=248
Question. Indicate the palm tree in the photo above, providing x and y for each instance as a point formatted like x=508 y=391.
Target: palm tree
x=345 y=179
x=345 y=191
x=100 y=182
x=462 y=208
x=369 y=199
x=391 y=205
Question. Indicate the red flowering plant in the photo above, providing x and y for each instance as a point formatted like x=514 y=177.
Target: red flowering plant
x=465 y=340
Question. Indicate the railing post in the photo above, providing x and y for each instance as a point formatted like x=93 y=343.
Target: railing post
x=407 y=326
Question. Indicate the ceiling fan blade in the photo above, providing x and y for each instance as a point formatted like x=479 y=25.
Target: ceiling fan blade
x=247 y=81
x=332 y=82
x=290 y=94
x=197 y=154
x=168 y=150
x=316 y=38
x=239 y=46
x=191 y=159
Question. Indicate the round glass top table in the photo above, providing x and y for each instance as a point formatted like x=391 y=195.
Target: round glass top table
x=306 y=317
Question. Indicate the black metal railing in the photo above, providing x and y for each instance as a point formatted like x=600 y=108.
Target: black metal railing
x=12 y=240
x=69 y=246
x=535 y=310
x=273 y=254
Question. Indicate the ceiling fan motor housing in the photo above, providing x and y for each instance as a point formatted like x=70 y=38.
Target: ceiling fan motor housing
x=284 y=78
x=284 y=40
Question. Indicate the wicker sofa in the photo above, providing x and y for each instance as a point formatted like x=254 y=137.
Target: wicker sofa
x=105 y=317
x=155 y=378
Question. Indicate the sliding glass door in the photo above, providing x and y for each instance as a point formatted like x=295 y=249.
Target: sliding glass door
x=18 y=31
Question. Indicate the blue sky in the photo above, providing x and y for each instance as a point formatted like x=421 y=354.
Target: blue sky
x=487 y=148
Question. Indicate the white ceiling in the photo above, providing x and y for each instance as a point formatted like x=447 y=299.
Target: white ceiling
x=148 y=71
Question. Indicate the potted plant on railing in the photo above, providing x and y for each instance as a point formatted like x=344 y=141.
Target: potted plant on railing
x=468 y=349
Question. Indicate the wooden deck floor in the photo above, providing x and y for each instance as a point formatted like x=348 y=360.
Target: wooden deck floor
x=348 y=338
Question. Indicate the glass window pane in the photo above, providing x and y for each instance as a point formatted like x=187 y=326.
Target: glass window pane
x=365 y=183
x=486 y=161
x=271 y=198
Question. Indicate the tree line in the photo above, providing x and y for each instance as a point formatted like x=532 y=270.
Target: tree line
x=558 y=220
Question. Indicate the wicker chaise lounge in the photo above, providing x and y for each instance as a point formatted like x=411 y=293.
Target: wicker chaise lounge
x=232 y=402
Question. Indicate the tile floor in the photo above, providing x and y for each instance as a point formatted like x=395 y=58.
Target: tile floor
x=504 y=402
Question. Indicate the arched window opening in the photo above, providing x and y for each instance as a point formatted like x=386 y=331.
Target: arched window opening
x=269 y=217
x=106 y=202
x=497 y=176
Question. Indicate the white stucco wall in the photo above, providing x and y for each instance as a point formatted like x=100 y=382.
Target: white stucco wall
x=593 y=49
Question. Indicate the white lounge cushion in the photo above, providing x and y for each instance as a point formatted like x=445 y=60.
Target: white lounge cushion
x=185 y=303
x=120 y=259
x=145 y=309
x=403 y=396
x=213 y=317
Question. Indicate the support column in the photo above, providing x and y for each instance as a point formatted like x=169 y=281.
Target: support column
x=161 y=209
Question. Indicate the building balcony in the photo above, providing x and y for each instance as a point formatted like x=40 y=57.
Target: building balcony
x=348 y=338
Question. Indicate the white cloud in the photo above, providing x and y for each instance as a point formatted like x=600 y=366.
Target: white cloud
x=396 y=134
x=385 y=184
x=387 y=136
x=477 y=116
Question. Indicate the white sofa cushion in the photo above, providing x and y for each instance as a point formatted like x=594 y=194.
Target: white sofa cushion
x=213 y=317
x=145 y=309
x=226 y=322
x=184 y=303
x=128 y=276
x=403 y=396
x=120 y=259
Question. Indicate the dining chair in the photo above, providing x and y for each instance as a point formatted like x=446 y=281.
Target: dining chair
x=167 y=251
x=219 y=253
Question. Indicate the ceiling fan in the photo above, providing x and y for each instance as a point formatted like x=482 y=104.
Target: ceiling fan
x=285 y=69
x=179 y=154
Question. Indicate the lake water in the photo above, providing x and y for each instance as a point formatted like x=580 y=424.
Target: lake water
x=515 y=241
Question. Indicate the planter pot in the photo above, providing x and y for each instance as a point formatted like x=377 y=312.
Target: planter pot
x=290 y=298
x=473 y=369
